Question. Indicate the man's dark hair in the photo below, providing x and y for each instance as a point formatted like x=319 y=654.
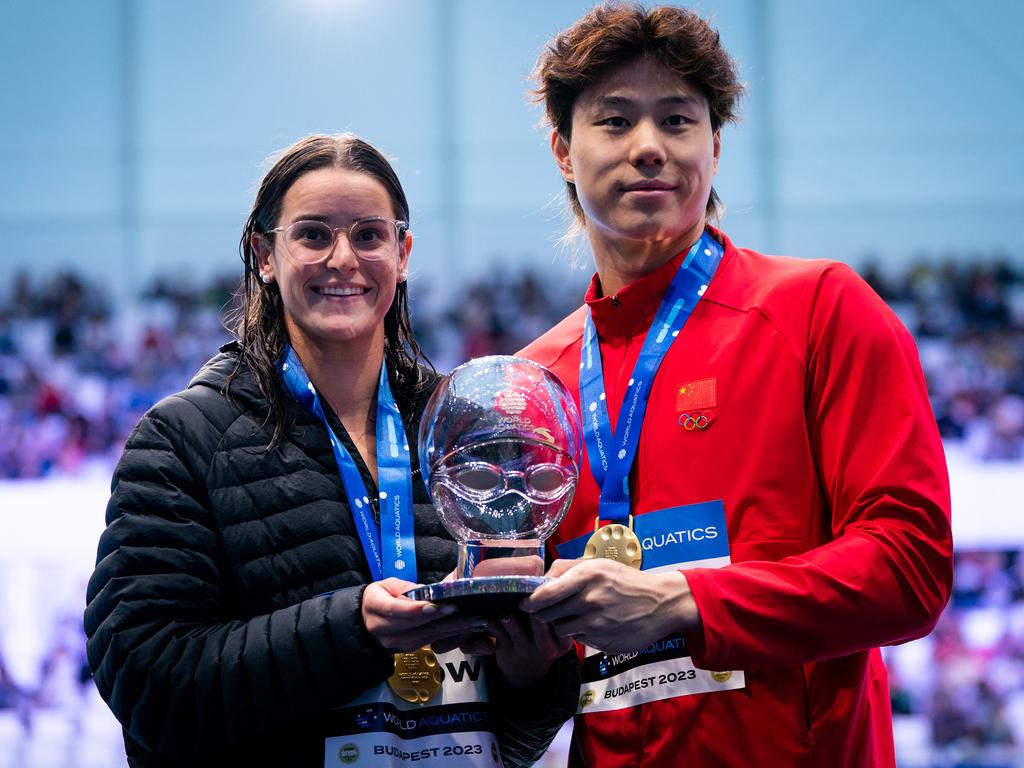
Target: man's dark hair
x=615 y=34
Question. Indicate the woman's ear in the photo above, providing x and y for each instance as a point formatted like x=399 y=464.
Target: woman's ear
x=560 y=149
x=264 y=253
x=403 y=257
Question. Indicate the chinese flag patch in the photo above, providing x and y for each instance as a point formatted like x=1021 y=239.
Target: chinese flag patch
x=695 y=395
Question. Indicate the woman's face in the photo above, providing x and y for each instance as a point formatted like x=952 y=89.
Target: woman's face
x=343 y=299
x=642 y=156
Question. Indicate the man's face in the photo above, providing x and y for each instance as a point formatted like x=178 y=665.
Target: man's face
x=642 y=156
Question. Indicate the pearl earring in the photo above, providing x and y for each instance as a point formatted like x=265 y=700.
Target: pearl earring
x=265 y=278
x=403 y=276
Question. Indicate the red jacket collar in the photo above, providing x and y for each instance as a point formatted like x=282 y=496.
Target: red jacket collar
x=631 y=311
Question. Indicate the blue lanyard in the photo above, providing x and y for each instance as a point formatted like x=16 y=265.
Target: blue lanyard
x=610 y=468
x=390 y=547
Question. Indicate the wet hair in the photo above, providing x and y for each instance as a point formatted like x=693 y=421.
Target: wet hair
x=615 y=34
x=258 y=320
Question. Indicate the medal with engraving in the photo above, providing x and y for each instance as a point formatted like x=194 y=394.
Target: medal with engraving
x=615 y=542
x=417 y=676
x=611 y=453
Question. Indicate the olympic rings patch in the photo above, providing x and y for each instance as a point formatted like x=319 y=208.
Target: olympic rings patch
x=692 y=421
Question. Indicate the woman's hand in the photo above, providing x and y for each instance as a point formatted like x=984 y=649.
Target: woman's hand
x=401 y=624
x=525 y=648
x=612 y=607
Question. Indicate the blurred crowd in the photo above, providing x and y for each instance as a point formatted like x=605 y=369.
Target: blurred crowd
x=76 y=372
x=75 y=375
x=967 y=316
x=965 y=682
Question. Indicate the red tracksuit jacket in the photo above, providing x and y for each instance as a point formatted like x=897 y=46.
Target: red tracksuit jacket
x=822 y=445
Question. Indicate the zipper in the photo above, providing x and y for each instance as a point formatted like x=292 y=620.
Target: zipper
x=620 y=385
x=807 y=704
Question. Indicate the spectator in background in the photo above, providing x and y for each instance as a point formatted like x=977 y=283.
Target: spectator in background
x=11 y=694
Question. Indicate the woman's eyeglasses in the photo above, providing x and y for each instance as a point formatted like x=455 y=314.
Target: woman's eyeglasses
x=371 y=239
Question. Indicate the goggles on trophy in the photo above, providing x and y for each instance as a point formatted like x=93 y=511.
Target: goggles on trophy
x=499 y=449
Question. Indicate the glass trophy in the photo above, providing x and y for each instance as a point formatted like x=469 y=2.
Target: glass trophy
x=499 y=449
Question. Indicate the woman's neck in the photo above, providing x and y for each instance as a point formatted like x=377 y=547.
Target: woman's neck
x=347 y=375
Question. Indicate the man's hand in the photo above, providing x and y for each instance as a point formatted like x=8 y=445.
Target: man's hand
x=612 y=607
x=525 y=648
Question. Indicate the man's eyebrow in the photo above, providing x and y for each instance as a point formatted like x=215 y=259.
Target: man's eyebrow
x=686 y=101
x=309 y=217
x=624 y=101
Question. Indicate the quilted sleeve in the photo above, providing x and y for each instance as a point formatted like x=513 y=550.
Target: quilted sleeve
x=529 y=718
x=183 y=677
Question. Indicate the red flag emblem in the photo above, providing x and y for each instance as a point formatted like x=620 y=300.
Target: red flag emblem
x=695 y=395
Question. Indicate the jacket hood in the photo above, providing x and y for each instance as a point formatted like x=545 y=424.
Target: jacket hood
x=217 y=370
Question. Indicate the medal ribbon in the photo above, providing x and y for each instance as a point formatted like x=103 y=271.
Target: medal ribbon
x=610 y=468
x=390 y=547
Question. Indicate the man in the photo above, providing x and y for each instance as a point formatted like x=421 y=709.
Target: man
x=763 y=500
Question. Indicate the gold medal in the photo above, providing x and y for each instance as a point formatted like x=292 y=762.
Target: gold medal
x=615 y=542
x=417 y=676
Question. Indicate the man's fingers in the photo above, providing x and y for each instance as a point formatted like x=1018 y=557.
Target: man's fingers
x=561 y=566
x=570 y=627
x=544 y=635
x=553 y=592
x=555 y=599
x=511 y=632
x=478 y=645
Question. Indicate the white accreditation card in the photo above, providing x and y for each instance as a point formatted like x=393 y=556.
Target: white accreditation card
x=452 y=729
x=690 y=536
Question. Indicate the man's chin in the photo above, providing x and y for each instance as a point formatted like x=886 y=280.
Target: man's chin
x=653 y=232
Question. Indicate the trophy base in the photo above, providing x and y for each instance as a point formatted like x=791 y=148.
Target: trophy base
x=480 y=595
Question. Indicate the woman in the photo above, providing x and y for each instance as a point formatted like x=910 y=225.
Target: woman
x=246 y=606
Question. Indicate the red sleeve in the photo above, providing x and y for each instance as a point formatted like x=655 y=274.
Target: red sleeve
x=885 y=576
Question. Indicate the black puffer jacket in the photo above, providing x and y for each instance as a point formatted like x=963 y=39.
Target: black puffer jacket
x=210 y=635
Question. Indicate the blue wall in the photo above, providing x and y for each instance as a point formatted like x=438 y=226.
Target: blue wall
x=133 y=131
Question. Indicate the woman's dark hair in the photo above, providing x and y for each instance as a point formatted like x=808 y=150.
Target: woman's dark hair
x=615 y=34
x=258 y=320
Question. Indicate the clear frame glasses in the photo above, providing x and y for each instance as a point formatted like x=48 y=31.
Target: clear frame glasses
x=371 y=239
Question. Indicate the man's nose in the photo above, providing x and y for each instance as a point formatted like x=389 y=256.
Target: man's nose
x=648 y=146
